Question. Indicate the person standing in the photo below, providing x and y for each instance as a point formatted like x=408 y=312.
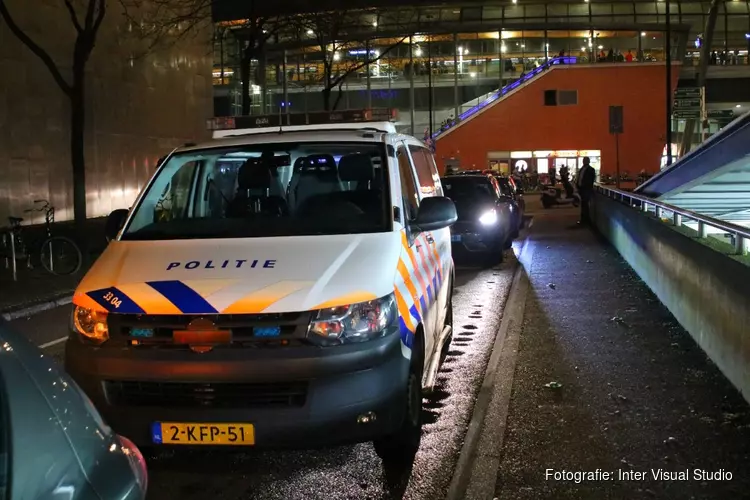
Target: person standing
x=586 y=178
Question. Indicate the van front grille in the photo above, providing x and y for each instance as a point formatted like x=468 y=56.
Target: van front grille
x=214 y=395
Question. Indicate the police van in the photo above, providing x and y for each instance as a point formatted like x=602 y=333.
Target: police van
x=282 y=286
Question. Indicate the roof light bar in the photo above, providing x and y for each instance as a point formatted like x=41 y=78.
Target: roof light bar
x=297 y=119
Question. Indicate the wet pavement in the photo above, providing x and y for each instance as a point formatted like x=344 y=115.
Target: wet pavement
x=348 y=472
x=606 y=379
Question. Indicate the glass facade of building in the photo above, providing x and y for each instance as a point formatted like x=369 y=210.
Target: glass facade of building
x=434 y=63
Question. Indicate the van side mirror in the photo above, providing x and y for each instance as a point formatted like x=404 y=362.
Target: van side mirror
x=435 y=212
x=115 y=221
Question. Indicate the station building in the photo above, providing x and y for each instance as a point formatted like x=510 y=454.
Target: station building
x=438 y=63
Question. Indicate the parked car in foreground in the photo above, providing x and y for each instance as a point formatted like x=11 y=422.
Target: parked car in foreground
x=53 y=443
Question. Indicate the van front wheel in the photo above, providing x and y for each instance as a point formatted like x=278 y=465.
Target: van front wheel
x=402 y=445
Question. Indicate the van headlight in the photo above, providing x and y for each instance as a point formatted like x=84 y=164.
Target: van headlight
x=89 y=323
x=355 y=322
x=488 y=218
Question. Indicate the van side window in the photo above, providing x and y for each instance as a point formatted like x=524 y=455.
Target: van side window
x=435 y=172
x=176 y=198
x=424 y=170
x=408 y=186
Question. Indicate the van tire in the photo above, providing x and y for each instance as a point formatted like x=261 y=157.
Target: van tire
x=402 y=445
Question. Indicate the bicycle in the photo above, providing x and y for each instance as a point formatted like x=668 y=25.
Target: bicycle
x=59 y=255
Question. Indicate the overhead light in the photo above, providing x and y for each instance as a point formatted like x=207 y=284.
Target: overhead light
x=374 y=24
x=502 y=48
x=523 y=45
x=643 y=33
x=738 y=106
x=583 y=49
x=473 y=75
x=418 y=52
x=310 y=32
x=600 y=47
x=515 y=1
x=546 y=45
x=747 y=35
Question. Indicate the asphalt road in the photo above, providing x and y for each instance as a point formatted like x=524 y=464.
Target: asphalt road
x=347 y=472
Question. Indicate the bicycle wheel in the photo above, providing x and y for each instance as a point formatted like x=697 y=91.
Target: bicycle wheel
x=60 y=256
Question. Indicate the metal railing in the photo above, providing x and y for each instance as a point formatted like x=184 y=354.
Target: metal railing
x=739 y=235
x=499 y=93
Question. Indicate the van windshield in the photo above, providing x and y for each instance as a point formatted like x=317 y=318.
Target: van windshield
x=263 y=190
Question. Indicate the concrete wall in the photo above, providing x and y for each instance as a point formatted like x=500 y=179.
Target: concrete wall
x=707 y=292
x=138 y=109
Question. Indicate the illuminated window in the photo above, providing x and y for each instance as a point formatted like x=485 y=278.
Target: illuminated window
x=542 y=166
x=520 y=154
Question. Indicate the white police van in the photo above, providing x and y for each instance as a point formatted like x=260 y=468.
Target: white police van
x=273 y=288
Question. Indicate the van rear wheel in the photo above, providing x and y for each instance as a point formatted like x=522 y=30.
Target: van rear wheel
x=402 y=445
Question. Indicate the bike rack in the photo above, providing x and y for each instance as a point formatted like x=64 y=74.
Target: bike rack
x=13 y=255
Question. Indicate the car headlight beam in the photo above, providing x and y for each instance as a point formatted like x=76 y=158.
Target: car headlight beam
x=489 y=218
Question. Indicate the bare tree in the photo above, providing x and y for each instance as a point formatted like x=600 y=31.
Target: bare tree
x=86 y=25
x=163 y=23
x=167 y=21
x=332 y=32
x=256 y=32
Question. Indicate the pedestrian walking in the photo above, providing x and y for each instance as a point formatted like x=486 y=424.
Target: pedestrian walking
x=586 y=178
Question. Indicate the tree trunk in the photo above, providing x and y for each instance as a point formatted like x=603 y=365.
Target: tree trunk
x=339 y=95
x=262 y=81
x=245 y=77
x=77 y=155
x=327 y=98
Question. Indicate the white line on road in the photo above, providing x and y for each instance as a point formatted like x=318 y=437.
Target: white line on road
x=54 y=342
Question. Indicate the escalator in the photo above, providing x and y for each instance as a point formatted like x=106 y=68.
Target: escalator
x=498 y=95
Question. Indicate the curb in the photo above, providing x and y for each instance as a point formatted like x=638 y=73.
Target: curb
x=36 y=308
x=461 y=483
